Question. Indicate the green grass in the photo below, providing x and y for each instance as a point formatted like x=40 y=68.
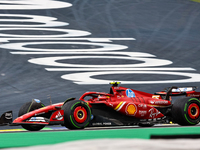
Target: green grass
x=198 y=1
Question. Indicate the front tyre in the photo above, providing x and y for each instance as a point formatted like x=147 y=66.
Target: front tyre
x=77 y=114
x=28 y=107
x=186 y=111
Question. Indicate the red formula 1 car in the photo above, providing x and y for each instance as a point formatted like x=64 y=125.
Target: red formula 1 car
x=121 y=106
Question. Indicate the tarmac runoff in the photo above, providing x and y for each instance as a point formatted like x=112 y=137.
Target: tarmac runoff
x=165 y=138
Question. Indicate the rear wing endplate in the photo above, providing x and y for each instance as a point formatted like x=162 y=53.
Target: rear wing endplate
x=6 y=118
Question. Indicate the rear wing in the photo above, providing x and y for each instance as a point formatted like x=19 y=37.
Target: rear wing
x=177 y=91
x=182 y=89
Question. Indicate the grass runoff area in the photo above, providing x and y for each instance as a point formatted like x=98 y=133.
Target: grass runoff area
x=23 y=139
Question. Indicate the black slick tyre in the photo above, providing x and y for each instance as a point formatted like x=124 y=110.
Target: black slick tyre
x=28 y=107
x=77 y=114
x=186 y=111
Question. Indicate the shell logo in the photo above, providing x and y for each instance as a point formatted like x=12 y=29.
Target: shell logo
x=131 y=109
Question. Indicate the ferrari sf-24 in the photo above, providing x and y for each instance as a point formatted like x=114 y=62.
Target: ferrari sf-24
x=120 y=107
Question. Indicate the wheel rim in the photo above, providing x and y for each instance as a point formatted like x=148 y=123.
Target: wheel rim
x=80 y=114
x=193 y=111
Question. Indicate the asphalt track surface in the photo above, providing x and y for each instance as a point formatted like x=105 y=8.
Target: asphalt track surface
x=165 y=29
x=168 y=29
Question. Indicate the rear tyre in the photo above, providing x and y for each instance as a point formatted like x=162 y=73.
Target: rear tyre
x=186 y=111
x=28 y=107
x=77 y=114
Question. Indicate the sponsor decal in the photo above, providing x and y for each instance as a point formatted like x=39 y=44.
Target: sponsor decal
x=193 y=95
x=152 y=102
x=130 y=93
x=97 y=123
x=142 y=106
x=131 y=109
x=33 y=119
x=102 y=123
x=142 y=112
x=92 y=117
x=156 y=96
x=118 y=96
x=37 y=119
x=37 y=100
x=8 y=115
x=107 y=123
x=183 y=89
x=160 y=102
x=153 y=113
x=59 y=116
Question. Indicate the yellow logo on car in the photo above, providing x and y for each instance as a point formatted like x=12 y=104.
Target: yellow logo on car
x=131 y=109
